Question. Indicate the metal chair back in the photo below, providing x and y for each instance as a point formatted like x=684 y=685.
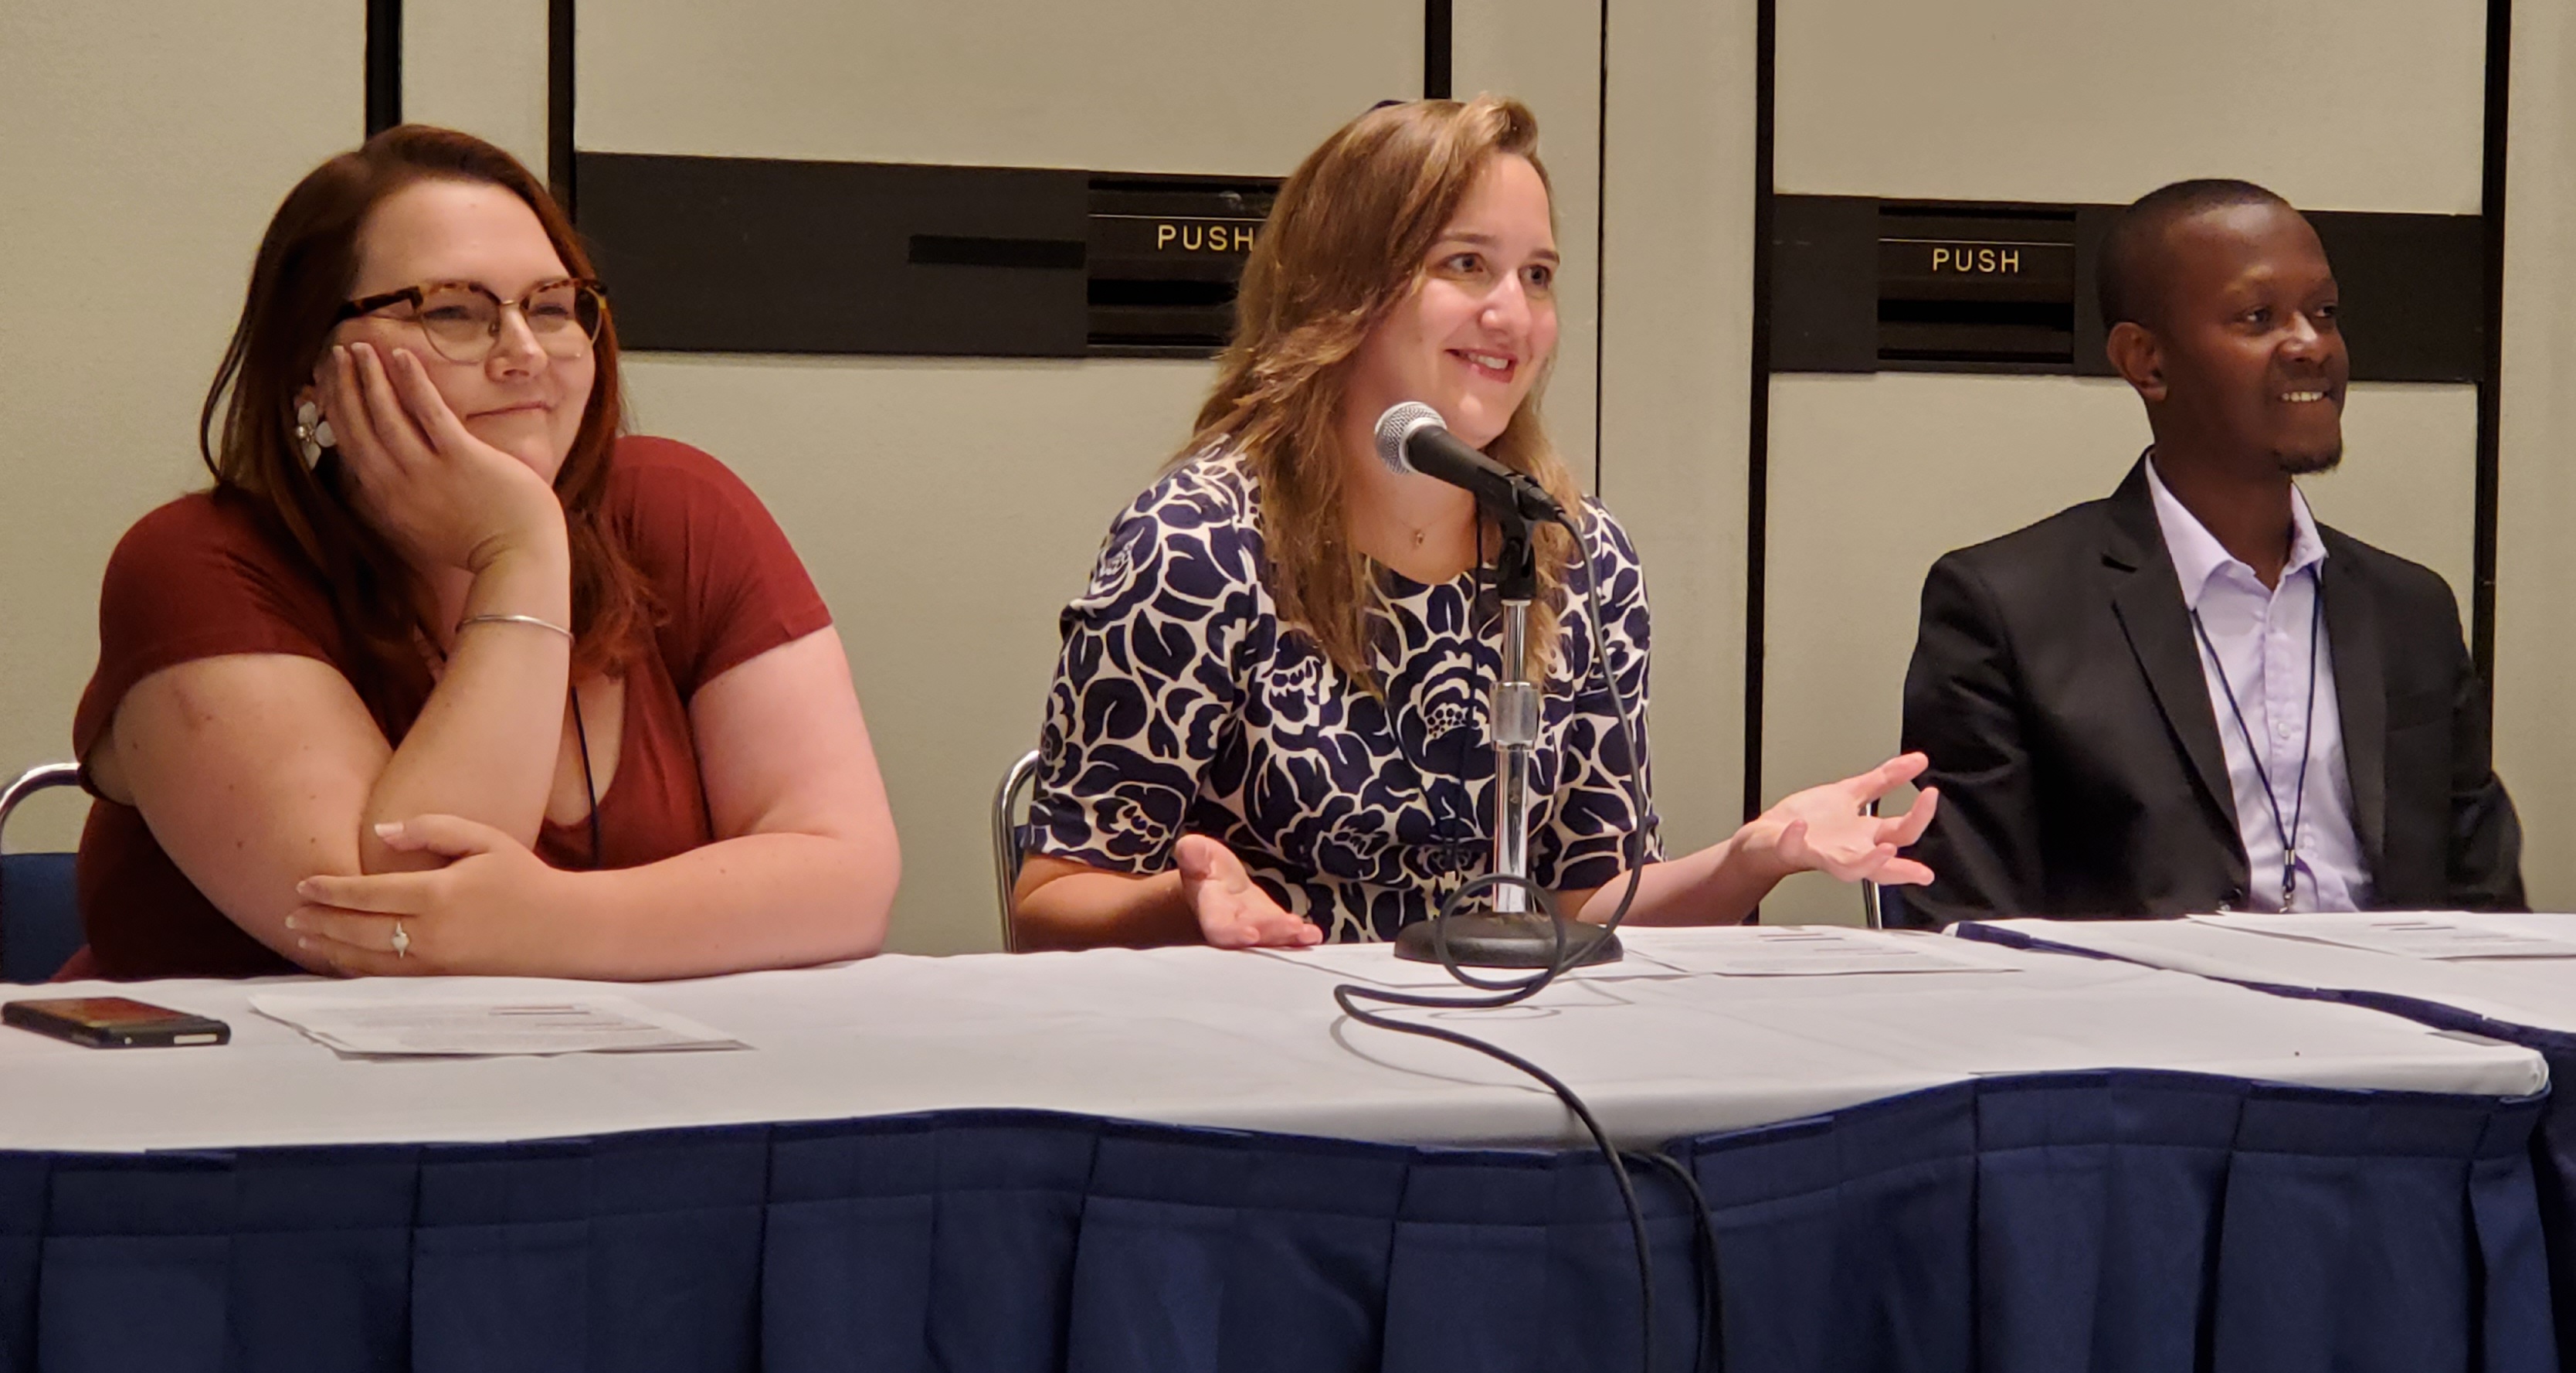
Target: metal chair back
x=40 y=925
x=1882 y=908
x=1009 y=800
x=1873 y=908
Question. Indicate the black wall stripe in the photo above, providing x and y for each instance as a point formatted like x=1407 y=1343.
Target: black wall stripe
x=1757 y=448
x=2491 y=204
x=559 y=104
x=915 y=258
x=384 y=65
x=967 y=250
x=1436 y=49
x=2415 y=290
x=899 y=258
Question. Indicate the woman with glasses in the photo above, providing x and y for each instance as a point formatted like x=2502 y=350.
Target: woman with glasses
x=446 y=674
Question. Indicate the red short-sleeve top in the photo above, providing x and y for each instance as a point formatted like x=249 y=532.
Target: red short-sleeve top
x=204 y=576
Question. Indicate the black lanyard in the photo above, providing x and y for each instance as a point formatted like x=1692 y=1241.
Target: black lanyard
x=581 y=732
x=2254 y=747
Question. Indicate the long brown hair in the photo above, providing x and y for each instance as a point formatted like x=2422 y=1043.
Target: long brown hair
x=1345 y=244
x=307 y=266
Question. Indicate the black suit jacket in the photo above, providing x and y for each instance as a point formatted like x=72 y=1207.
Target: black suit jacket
x=2057 y=687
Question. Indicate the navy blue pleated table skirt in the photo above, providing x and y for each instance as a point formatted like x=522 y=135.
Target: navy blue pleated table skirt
x=2553 y=1138
x=2107 y=1221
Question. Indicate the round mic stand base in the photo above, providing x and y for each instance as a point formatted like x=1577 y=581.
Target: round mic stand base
x=1486 y=940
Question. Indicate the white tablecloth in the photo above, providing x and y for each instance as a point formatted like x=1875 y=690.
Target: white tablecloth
x=2537 y=992
x=1202 y=1037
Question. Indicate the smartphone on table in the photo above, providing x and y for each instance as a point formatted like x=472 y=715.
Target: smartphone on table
x=113 y=1022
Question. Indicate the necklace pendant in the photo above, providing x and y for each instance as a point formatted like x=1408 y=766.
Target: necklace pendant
x=2289 y=877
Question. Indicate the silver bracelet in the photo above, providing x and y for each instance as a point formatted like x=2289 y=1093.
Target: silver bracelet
x=471 y=620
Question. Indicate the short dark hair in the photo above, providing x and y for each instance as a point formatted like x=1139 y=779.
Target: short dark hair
x=2126 y=277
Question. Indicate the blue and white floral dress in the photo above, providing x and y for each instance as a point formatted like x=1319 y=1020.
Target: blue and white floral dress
x=1181 y=705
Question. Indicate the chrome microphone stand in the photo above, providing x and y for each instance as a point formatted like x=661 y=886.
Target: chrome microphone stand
x=1514 y=934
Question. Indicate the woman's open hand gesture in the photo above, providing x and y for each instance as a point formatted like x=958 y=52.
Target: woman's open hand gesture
x=1825 y=829
x=1233 y=912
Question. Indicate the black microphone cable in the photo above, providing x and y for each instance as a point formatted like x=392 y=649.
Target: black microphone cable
x=1507 y=991
x=1711 y=1296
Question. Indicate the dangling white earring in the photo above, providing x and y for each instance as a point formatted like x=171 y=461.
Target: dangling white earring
x=312 y=432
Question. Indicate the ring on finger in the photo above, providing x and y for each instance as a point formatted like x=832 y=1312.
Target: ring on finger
x=401 y=941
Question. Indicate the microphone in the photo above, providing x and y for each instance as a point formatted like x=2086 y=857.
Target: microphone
x=1411 y=438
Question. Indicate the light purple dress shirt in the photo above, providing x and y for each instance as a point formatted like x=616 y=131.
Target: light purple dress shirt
x=2262 y=639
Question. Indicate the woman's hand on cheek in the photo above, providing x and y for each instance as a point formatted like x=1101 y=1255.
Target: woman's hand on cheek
x=443 y=496
x=495 y=908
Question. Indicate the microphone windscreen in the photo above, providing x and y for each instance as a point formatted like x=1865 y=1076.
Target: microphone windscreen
x=1399 y=423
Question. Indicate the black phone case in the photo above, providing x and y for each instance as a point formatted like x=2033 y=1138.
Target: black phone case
x=186 y=1033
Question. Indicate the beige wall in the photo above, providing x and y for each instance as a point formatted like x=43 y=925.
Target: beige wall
x=161 y=140
x=1125 y=85
x=2348 y=107
x=948 y=509
x=1548 y=55
x=1675 y=473
x=141 y=150
x=2536 y=559
x=480 y=66
x=1678 y=315
x=1671 y=317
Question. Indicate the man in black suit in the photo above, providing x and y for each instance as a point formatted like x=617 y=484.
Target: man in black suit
x=2190 y=696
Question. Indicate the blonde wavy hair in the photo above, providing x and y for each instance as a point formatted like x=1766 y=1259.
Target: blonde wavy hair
x=1347 y=242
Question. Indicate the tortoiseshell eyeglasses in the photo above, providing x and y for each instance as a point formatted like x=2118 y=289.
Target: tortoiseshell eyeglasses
x=463 y=319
